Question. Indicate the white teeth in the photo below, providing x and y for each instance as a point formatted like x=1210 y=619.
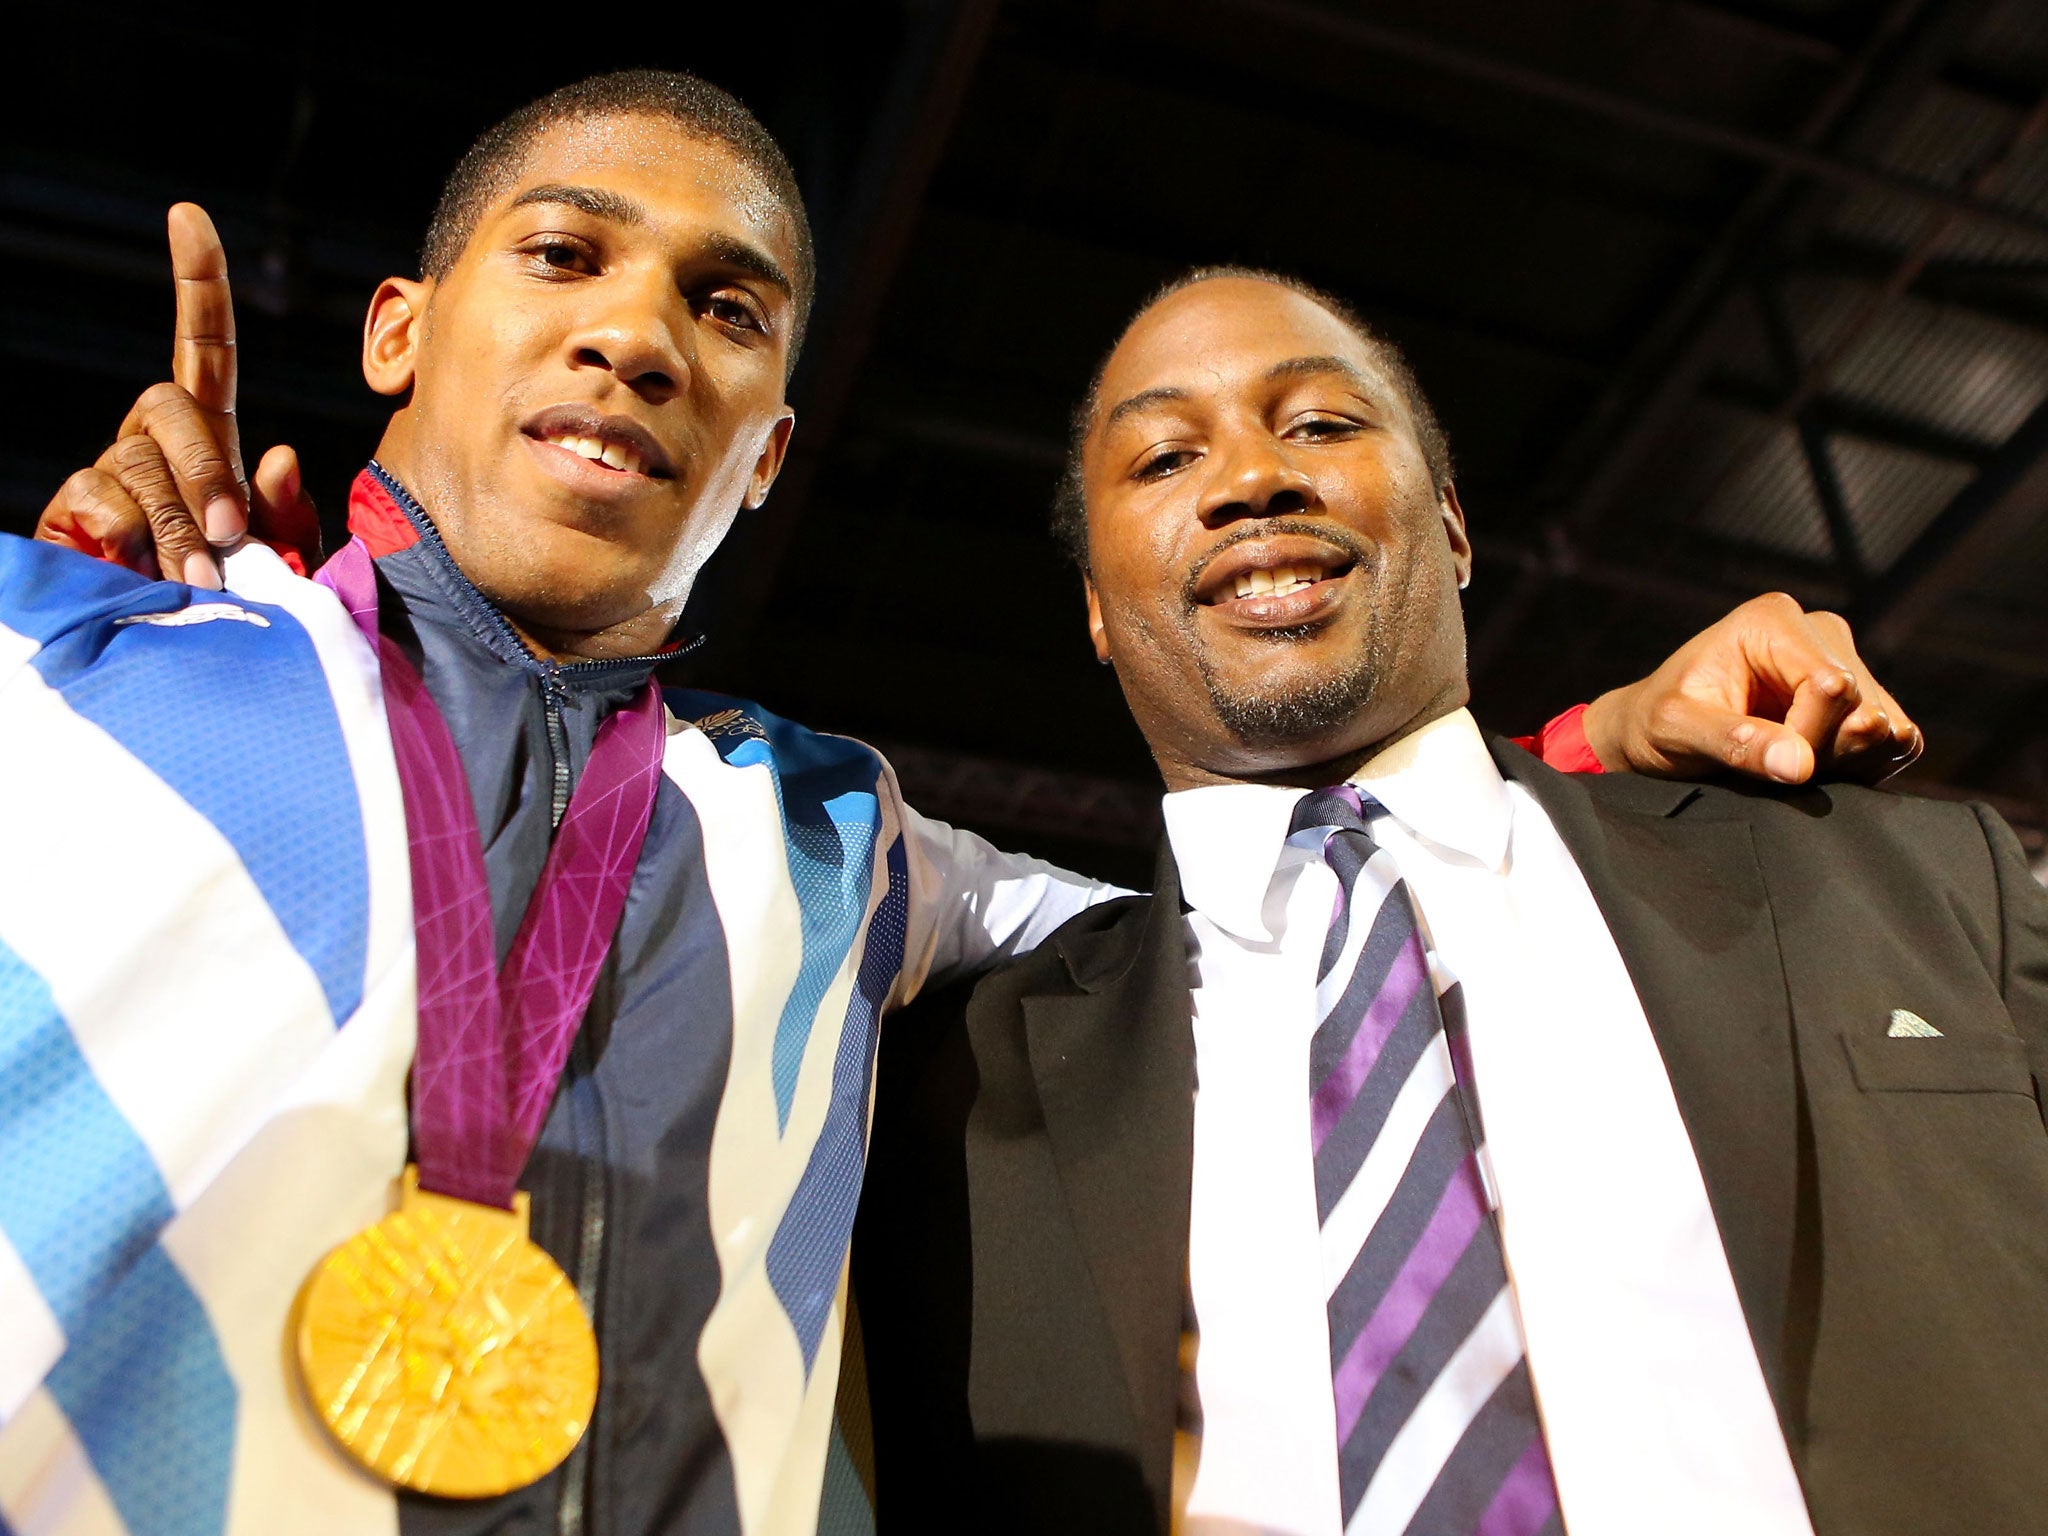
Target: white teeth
x=1278 y=582
x=614 y=455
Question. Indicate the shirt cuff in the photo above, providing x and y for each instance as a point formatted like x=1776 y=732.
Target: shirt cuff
x=1562 y=744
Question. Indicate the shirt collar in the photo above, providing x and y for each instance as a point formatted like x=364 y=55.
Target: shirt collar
x=1439 y=782
x=1442 y=784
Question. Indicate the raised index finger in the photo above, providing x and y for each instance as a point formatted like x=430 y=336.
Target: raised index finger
x=203 y=360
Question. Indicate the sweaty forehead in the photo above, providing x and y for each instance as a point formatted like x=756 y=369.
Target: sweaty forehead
x=659 y=164
x=1224 y=334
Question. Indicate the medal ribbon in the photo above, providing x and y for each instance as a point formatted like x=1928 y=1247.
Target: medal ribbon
x=491 y=1042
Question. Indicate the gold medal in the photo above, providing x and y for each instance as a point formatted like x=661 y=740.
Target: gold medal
x=446 y=1352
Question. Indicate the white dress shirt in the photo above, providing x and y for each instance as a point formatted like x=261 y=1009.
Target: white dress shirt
x=1653 y=1403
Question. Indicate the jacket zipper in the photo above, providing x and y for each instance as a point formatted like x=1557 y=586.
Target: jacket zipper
x=551 y=691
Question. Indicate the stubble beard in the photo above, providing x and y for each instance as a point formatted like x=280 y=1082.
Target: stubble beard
x=1302 y=711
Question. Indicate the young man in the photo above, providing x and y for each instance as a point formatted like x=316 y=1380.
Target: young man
x=1432 y=1088
x=646 y=1010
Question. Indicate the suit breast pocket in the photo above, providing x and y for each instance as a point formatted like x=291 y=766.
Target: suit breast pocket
x=1950 y=1064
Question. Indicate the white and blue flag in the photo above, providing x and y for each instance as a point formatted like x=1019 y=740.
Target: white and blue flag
x=206 y=1021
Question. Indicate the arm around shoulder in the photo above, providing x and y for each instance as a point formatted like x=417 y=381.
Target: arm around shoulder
x=974 y=905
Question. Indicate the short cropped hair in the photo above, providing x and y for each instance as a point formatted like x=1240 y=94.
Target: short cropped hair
x=1070 y=507
x=696 y=106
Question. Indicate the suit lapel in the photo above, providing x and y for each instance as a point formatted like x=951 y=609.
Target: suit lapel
x=1685 y=902
x=1114 y=1063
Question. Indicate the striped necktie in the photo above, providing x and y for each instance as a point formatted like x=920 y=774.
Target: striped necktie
x=1437 y=1432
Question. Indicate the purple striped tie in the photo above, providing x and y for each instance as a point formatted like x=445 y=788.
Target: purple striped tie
x=1437 y=1432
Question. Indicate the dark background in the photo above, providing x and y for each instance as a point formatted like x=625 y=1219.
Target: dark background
x=1715 y=296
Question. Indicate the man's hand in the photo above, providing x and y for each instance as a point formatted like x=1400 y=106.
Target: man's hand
x=1771 y=691
x=172 y=490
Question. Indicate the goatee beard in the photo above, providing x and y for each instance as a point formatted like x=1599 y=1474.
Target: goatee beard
x=1287 y=716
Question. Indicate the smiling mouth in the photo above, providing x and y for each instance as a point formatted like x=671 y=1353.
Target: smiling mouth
x=1278 y=581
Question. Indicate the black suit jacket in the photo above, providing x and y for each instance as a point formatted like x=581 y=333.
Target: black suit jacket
x=1020 y=1259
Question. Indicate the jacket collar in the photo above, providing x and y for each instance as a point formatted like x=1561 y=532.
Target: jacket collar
x=390 y=521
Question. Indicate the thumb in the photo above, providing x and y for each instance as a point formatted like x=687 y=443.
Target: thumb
x=1691 y=731
x=282 y=514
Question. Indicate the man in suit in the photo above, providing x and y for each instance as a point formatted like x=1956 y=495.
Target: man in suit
x=1448 y=1144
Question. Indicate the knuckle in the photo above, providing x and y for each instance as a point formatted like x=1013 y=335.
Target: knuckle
x=172 y=531
x=1833 y=632
x=201 y=462
x=83 y=485
x=164 y=396
x=136 y=451
x=1667 y=716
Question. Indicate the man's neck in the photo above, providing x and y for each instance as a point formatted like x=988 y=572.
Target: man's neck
x=1319 y=772
x=641 y=635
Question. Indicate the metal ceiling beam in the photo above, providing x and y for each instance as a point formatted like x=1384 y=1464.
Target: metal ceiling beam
x=2008 y=494
x=1975 y=523
x=1910 y=43
x=1852 y=418
x=1771 y=34
x=1666 y=368
x=1795 y=158
x=1783 y=341
x=1991 y=290
x=916 y=119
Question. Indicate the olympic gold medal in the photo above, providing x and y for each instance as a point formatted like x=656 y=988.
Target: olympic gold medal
x=446 y=1352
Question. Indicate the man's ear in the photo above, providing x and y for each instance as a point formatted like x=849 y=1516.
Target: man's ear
x=391 y=333
x=769 y=464
x=1095 y=630
x=1454 y=531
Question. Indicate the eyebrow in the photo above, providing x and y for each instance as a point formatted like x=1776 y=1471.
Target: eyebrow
x=1305 y=367
x=1142 y=400
x=750 y=259
x=1290 y=368
x=615 y=208
x=598 y=202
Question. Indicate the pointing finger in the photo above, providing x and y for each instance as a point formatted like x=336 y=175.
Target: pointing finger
x=1821 y=701
x=203 y=357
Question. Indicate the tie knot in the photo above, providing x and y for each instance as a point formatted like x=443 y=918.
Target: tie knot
x=1341 y=807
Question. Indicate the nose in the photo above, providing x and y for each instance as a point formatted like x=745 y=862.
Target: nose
x=1252 y=475
x=637 y=335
